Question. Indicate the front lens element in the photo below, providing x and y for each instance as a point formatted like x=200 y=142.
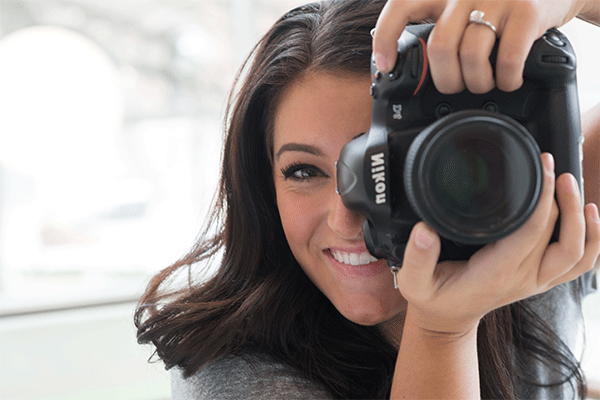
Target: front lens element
x=466 y=177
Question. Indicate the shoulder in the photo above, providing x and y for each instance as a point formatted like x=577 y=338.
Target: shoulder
x=249 y=376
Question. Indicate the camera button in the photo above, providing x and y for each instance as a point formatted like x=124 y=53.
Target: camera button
x=554 y=39
x=442 y=110
x=491 y=106
x=374 y=91
x=395 y=73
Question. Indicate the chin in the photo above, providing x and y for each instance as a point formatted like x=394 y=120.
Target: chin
x=364 y=312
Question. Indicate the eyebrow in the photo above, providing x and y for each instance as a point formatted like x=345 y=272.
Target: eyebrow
x=305 y=148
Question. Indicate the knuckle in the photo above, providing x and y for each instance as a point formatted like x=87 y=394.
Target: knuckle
x=439 y=50
x=509 y=71
x=527 y=8
x=522 y=285
x=573 y=253
x=508 y=86
x=471 y=57
x=447 y=80
x=510 y=63
x=595 y=258
x=448 y=86
x=541 y=223
x=504 y=283
x=590 y=267
x=528 y=286
x=479 y=86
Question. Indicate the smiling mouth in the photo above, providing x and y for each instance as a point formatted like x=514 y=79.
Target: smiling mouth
x=343 y=257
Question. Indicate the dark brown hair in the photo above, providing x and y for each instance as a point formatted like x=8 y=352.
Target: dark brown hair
x=260 y=298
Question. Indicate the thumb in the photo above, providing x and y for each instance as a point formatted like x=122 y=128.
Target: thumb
x=420 y=257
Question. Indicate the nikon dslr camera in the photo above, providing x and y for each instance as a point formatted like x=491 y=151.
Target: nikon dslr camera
x=468 y=165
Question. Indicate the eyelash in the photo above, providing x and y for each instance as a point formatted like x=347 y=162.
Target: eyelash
x=289 y=172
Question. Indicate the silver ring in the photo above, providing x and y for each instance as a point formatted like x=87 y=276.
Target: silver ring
x=476 y=17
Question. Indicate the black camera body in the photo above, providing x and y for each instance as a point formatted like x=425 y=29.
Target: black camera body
x=468 y=165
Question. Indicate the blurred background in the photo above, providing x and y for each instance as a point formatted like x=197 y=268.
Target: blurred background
x=110 y=131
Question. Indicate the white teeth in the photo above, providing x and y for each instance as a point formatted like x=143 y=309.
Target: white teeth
x=346 y=258
x=353 y=258
x=366 y=258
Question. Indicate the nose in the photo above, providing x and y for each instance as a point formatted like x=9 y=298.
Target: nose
x=346 y=223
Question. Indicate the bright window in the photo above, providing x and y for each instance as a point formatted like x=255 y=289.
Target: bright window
x=110 y=118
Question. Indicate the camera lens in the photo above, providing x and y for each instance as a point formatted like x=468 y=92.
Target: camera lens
x=464 y=174
x=474 y=176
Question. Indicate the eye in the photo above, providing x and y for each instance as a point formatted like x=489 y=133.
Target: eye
x=302 y=172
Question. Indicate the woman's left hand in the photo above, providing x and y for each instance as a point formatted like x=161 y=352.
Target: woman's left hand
x=452 y=296
x=459 y=50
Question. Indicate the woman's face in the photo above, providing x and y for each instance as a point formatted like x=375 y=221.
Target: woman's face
x=316 y=117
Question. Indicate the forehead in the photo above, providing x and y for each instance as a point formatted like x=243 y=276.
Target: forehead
x=321 y=107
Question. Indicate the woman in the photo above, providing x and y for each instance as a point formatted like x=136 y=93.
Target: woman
x=298 y=308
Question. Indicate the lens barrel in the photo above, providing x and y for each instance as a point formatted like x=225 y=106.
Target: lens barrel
x=474 y=176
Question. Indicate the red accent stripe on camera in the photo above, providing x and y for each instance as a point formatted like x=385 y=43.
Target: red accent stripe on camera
x=424 y=71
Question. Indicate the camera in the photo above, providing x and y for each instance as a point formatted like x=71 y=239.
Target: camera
x=466 y=164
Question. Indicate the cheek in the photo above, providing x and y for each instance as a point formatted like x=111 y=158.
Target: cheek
x=299 y=218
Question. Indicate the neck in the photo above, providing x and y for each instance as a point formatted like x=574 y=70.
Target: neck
x=392 y=328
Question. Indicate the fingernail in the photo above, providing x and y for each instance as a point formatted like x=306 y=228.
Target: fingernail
x=382 y=62
x=548 y=161
x=593 y=213
x=424 y=238
x=574 y=185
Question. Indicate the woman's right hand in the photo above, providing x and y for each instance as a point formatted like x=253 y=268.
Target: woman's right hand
x=450 y=298
x=459 y=51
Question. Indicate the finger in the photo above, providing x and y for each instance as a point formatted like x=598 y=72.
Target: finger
x=420 y=259
x=518 y=34
x=443 y=49
x=509 y=258
x=592 y=247
x=389 y=27
x=538 y=222
x=391 y=22
x=476 y=47
x=561 y=256
x=535 y=257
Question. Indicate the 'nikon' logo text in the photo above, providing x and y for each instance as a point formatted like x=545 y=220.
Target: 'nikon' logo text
x=378 y=176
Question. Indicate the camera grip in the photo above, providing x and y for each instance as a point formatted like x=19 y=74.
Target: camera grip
x=566 y=144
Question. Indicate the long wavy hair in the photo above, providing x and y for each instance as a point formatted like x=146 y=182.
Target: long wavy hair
x=259 y=297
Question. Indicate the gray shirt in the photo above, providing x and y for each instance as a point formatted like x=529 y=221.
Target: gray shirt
x=248 y=377
x=252 y=377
